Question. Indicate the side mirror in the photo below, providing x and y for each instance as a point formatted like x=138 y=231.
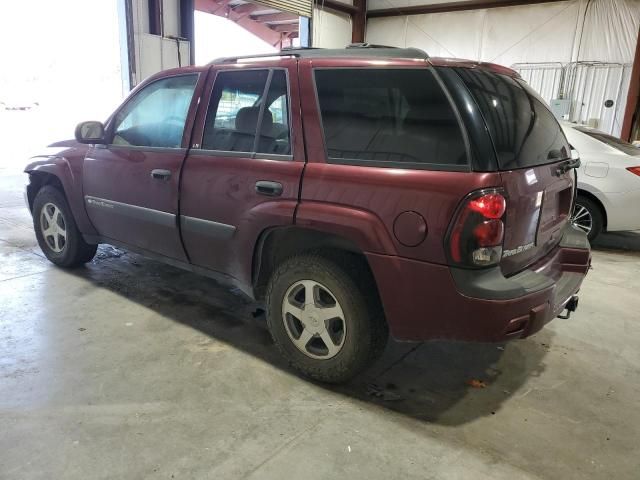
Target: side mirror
x=90 y=132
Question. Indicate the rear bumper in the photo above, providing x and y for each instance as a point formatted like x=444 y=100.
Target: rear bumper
x=425 y=301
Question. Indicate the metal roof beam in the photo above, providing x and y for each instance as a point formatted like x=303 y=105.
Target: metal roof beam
x=246 y=8
x=286 y=28
x=258 y=29
x=337 y=5
x=275 y=17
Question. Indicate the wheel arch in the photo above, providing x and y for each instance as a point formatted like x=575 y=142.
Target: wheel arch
x=594 y=199
x=277 y=244
x=58 y=173
x=37 y=180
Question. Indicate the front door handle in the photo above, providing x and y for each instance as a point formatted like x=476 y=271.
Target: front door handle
x=159 y=174
x=270 y=189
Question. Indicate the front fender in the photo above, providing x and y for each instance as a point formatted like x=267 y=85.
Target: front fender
x=65 y=164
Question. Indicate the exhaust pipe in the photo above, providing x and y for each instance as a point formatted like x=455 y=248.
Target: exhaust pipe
x=570 y=306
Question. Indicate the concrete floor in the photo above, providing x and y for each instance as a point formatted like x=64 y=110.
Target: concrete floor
x=132 y=369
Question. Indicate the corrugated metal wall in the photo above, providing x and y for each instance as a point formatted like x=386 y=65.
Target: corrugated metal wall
x=596 y=91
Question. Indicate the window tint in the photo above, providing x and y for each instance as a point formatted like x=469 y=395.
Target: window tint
x=387 y=117
x=236 y=107
x=232 y=117
x=524 y=131
x=155 y=117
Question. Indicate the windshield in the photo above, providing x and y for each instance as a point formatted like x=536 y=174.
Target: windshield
x=611 y=141
x=524 y=131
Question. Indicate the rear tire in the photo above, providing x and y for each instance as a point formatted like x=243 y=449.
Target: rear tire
x=587 y=216
x=325 y=317
x=56 y=230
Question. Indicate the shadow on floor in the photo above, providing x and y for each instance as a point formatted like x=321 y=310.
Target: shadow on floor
x=629 y=241
x=443 y=382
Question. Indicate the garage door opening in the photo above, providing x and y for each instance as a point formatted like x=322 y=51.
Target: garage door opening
x=55 y=74
x=229 y=28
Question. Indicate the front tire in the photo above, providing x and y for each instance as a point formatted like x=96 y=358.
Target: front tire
x=325 y=317
x=588 y=217
x=56 y=230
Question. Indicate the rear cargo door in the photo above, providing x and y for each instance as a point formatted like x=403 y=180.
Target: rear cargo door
x=532 y=154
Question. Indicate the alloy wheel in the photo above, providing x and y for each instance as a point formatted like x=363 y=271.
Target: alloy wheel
x=53 y=227
x=314 y=319
x=582 y=218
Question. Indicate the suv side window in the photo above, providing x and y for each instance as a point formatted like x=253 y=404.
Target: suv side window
x=275 y=134
x=155 y=117
x=389 y=118
x=241 y=101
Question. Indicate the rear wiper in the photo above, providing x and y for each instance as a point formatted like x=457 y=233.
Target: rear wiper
x=564 y=167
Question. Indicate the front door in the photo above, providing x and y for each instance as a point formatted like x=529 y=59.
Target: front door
x=243 y=171
x=131 y=184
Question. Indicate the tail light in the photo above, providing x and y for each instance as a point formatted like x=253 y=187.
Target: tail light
x=635 y=170
x=477 y=231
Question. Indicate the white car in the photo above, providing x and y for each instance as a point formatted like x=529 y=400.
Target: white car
x=608 y=181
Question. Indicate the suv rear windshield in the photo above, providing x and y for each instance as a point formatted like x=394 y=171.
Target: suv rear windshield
x=389 y=118
x=611 y=141
x=524 y=131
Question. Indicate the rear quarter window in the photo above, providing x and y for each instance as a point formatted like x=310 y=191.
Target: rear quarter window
x=389 y=118
x=523 y=130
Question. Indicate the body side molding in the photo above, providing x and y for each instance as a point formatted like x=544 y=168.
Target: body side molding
x=132 y=211
x=208 y=228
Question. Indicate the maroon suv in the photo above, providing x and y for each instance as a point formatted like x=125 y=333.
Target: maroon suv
x=355 y=192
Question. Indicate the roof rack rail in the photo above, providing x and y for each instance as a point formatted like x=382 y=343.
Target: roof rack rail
x=367 y=45
x=351 y=50
x=281 y=53
x=293 y=49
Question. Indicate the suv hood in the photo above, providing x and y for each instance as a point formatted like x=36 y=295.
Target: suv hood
x=56 y=149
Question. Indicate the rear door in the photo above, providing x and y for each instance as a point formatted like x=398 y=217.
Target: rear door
x=530 y=147
x=242 y=174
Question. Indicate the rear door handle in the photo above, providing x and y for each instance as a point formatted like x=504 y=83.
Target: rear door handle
x=268 y=188
x=160 y=174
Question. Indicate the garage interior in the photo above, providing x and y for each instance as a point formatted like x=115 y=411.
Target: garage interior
x=130 y=368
